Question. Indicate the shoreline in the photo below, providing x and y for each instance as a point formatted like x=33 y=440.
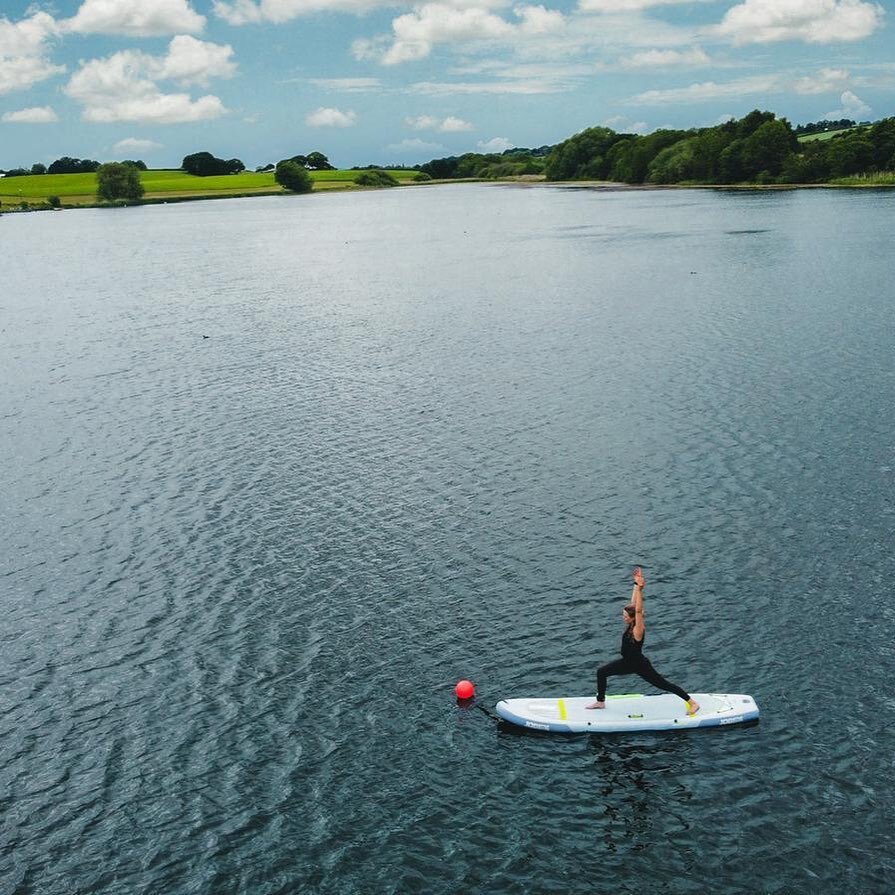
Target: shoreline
x=525 y=181
x=614 y=186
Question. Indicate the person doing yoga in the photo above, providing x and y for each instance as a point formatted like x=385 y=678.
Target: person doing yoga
x=633 y=661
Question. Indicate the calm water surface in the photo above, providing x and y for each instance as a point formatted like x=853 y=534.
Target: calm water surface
x=275 y=473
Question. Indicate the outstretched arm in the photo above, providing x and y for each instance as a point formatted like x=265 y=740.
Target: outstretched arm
x=637 y=600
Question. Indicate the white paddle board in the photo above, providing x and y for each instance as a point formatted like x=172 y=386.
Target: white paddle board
x=628 y=712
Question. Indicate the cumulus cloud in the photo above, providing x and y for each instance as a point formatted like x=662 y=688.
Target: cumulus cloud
x=852 y=107
x=35 y=115
x=122 y=87
x=422 y=122
x=415 y=145
x=449 y=125
x=495 y=144
x=539 y=20
x=324 y=117
x=135 y=18
x=415 y=33
x=667 y=58
x=24 y=52
x=191 y=61
x=811 y=21
x=452 y=125
x=133 y=144
x=827 y=80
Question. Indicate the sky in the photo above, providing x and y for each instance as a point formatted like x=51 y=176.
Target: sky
x=392 y=81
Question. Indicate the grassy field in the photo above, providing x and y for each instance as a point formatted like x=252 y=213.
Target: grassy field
x=879 y=178
x=80 y=189
x=823 y=135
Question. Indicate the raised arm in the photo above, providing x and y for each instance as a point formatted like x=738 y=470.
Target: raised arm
x=637 y=600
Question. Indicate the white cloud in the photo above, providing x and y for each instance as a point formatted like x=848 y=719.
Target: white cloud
x=35 y=115
x=245 y=12
x=709 y=90
x=467 y=88
x=852 y=107
x=667 y=58
x=449 y=125
x=415 y=33
x=135 y=18
x=348 y=85
x=495 y=144
x=415 y=145
x=122 y=86
x=324 y=117
x=827 y=80
x=812 y=21
x=539 y=20
x=133 y=144
x=191 y=61
x=24 y=52
x=366 y=49
x=422 y=122
x=452 y=125
x=27 y=37
x=624 y=125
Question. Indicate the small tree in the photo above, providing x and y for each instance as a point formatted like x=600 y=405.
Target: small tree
x=293 y=177
x=376 y=178
x=117 y=181
x=319 y=162
x=204 y=164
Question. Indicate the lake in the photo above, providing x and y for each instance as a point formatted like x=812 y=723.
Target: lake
x=277 y=472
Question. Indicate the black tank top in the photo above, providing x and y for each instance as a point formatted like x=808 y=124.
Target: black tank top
x=631 y=649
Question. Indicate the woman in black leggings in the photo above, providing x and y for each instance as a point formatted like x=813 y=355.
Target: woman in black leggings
x=633 y=661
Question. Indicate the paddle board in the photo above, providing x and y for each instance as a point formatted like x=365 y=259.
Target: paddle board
x=628 y=712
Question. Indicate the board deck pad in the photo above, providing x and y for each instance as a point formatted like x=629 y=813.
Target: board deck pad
x=628 y=712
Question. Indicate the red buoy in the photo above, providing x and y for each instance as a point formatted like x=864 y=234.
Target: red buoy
x=465 y=689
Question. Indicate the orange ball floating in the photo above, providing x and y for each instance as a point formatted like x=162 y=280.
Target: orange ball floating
x=465 y=689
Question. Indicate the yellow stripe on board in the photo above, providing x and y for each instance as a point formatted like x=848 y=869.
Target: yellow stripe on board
x=562 y=708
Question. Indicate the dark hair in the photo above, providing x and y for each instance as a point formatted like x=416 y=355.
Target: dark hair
x=631 y=611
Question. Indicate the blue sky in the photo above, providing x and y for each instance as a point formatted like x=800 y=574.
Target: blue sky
x=373 y=81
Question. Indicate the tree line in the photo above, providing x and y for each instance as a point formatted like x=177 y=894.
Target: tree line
x=759 y=148
x=67 y=165
x=824 y=125
x=510 y=163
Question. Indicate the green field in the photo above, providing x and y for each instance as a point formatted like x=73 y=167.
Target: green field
x=80 y=189
x=878 y=178
x=823 y=135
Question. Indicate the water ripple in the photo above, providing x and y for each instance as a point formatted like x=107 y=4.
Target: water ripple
x=261 y=513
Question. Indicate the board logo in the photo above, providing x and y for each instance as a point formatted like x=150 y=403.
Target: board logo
x=735 y=720
x=537 y=726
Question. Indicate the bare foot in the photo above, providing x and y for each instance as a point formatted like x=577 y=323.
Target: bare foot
x=596 y=705
x=692 y=707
